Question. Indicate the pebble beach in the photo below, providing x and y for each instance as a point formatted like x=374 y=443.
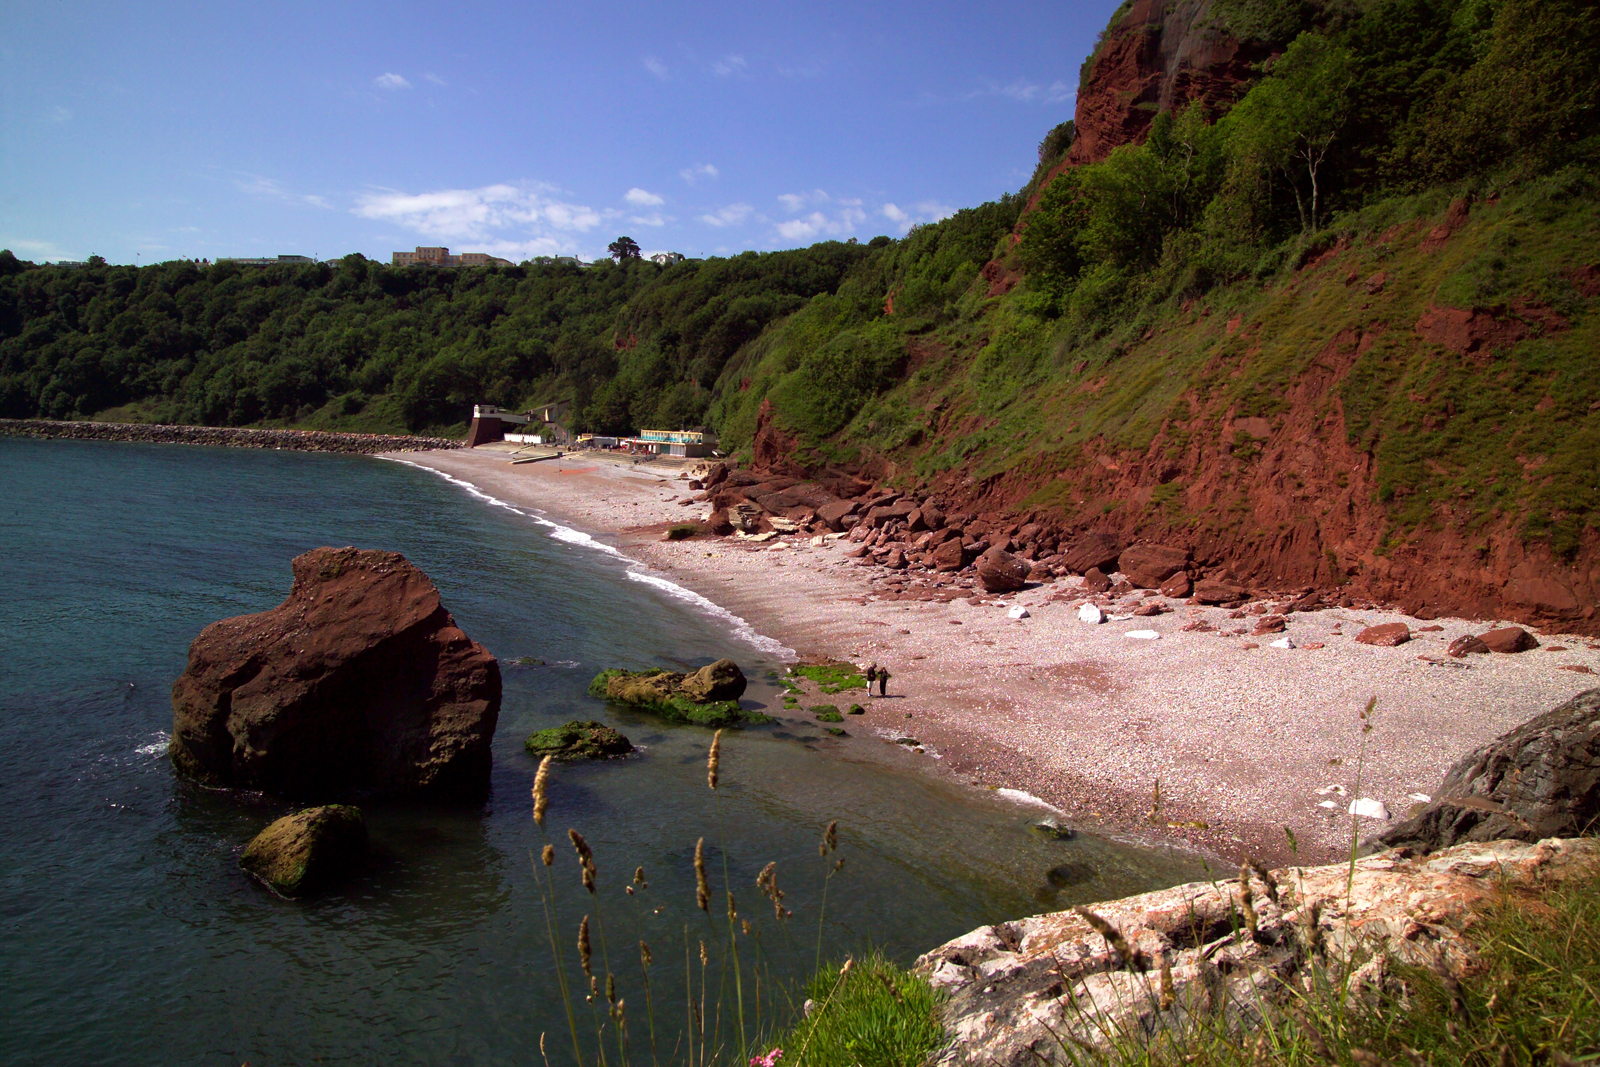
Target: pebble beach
x=1245 y=738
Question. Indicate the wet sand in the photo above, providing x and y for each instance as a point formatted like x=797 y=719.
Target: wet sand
x=1244 y=738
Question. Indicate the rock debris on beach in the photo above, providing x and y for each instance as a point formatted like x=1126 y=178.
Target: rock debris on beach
x=1077 y=714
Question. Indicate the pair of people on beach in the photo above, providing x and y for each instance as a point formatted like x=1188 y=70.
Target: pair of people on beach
x=880 y=675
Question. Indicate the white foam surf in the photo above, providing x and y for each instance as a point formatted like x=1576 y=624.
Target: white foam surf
x=155 y=748
x=1017 y=796
x=636 y=571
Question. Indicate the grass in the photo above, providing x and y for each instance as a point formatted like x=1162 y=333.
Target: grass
x=866 y=1013
x=832 y=677
x=1530 y=999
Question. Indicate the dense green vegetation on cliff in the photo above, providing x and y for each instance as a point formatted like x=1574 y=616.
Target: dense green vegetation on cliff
x=1146 y=301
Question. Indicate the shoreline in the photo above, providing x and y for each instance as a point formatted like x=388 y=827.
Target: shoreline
x=1244 y=739
x=224 y=436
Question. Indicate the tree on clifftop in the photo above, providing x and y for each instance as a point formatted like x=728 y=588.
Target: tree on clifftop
x=623 y=248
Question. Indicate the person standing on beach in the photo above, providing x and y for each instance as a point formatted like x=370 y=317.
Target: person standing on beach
x=872 y=676
x=883 y=682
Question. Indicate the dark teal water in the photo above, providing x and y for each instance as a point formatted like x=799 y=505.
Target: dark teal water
x=128 y=934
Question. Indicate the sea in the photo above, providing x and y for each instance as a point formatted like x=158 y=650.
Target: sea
x=129 y=935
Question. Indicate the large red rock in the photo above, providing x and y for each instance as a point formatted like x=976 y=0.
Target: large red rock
x=1509 y=639
x=1092 y=551
x=359 y=682
x=950 y=556
x=1147 y=566
x=1213 y=591
x=1387 y=635
x=1001 y=572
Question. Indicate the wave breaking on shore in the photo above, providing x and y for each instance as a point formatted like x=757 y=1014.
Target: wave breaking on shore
x=635 y=570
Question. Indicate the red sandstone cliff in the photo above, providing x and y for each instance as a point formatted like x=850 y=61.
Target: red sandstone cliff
x=1157 y=57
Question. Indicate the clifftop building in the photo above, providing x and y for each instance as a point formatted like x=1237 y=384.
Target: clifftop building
x=441 y=257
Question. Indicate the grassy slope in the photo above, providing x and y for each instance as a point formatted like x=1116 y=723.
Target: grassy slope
x=1459 y=443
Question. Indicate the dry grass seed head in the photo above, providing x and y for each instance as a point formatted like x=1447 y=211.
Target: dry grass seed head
x=702 y=887
x=644 y=955
x=714 y=760
x=830 y=839
x=1266 y=879
x=1247 y=901
x=1113 y=938
x=548 y=855
x=583 y=944
x=541 y=792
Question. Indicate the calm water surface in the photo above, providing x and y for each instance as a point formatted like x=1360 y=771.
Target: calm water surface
x=131 y=937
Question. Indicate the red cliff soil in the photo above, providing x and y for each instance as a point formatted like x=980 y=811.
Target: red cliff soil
x=1158 y=57
x=1298 y=508
x=360 y=681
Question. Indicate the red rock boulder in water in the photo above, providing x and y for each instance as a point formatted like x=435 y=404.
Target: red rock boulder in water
x=359 y=682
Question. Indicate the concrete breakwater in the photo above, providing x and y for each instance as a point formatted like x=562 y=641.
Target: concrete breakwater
x=227 y=436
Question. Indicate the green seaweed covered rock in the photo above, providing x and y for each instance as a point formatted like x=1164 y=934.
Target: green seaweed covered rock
x=708 y=697
x=578 y=740
x=308 y=851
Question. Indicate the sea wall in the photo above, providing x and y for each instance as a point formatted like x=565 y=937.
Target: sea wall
x=226 y=436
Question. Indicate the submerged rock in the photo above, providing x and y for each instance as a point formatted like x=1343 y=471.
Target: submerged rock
x=1056 y=831
x=578 y=740
x=695 y=698
x=1540 y=780
x=309 y=851
x=360 y=681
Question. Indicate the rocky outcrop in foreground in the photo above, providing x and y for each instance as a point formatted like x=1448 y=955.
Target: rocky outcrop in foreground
x=308 y=851
x=225 y=436
x=1540 y=780
x=1021 y=991
x=359 y=682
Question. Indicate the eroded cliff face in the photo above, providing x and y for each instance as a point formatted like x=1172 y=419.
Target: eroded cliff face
x=1158 y=56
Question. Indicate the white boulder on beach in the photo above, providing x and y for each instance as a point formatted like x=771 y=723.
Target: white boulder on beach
x=1091 y=614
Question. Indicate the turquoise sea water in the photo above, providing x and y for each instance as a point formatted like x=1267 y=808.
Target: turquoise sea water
x=131 y=937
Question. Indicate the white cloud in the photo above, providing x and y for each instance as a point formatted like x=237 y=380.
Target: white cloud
x=435 y=79
x=268 y=189
x=23 y=248
x=481 y=215
x=655 y=219
x=640 y=198
x=656 y=67
x=923 y=211
x=391 y=82
x=694 y=174
x=1027 y=92
x=846 y=218
x=58 y=114
x=731 y=215
x=729 y=65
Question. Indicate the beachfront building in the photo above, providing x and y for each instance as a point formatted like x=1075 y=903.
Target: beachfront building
x=666 y=259
x=437 y=256
x=687 y=443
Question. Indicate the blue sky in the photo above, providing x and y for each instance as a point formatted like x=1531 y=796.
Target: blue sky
x=161 y=130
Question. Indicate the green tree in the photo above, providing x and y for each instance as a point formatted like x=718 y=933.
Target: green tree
x=1290 y=122
x=623 y=248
